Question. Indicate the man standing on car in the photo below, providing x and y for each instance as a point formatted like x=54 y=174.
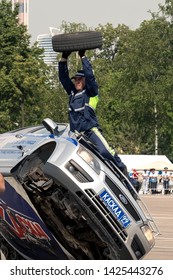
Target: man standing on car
x=82 y=90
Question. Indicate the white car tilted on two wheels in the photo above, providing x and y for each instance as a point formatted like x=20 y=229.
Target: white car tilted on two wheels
x=64 y=201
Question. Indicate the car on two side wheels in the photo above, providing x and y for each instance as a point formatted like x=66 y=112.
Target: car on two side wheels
x=64 y=201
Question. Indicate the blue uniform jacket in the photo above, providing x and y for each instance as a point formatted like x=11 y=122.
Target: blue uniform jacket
x=82 y=104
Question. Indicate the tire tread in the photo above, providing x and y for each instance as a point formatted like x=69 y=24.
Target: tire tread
x=77 y=41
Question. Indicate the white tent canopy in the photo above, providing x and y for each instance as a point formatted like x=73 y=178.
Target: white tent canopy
x=141 y=162
x=158 y=165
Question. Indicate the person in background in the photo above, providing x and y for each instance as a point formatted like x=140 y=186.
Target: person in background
x=134 y=176
x=165 y=180
x=160 y=176
x=145 y=181
x=2 y=183
x=171 y=182
x=153 y=180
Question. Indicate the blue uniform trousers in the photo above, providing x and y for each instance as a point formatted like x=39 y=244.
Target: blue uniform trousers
x=96 y=137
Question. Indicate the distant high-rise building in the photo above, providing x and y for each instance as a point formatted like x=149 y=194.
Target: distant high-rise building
x=45 y=42
x=23 y=11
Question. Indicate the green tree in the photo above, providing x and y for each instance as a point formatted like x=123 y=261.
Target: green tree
x=110 y=110
x=24 y=78
x=136 y=86
x=145 y=59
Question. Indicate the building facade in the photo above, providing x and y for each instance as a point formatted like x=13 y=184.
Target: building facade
x=45 y=41
x=23 y=11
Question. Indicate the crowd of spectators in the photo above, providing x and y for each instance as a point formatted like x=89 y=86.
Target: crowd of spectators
x=153 y=181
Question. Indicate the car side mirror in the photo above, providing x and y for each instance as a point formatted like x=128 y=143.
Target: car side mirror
x=51 y=126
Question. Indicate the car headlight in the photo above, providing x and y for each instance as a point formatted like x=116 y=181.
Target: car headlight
x=87 y=157
x=148 y=234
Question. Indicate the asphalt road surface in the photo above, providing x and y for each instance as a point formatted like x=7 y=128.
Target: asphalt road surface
x=161 y=209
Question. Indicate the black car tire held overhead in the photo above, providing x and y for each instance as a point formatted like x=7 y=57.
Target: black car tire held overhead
x=76 y=41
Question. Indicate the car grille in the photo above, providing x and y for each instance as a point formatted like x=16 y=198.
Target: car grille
x=104 y=216
x=115 y=189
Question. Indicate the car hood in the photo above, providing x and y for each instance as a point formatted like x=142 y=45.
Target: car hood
x=15 y=147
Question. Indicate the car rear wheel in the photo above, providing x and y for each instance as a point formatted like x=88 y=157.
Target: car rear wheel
x=76 y=41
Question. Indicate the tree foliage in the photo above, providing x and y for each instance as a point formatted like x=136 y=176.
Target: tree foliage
x=24 y=78
x=134 y=70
